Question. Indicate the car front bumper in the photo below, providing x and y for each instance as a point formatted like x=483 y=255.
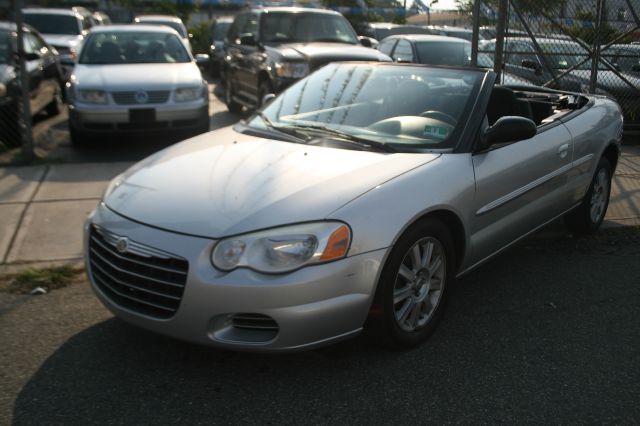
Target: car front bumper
x=117 y=118
x=312 y=307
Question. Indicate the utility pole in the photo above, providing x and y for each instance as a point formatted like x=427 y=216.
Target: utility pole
x=500 y=35
x=27 y=134
x=475 y=37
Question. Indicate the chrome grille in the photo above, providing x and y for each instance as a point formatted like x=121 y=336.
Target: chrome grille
x=138 y=277
x=129 y=98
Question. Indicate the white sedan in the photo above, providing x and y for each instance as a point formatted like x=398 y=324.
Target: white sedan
x=136 y=79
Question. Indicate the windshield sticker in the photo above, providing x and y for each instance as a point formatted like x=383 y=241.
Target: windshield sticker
x=436 y=132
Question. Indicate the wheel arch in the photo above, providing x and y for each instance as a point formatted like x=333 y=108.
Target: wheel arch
x=612 y=153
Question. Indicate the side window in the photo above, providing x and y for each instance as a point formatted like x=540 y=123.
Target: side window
x=387 y=46
x=235 y=30
x=522 y=51
x=251 y=25
x=403 y=52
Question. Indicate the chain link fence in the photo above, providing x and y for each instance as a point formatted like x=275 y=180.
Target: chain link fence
x=589 y=46
x=10 y=89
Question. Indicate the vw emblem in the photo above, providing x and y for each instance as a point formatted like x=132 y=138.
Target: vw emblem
x=122 y=244
x=142 y=97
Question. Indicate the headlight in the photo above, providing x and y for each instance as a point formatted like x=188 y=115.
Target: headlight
x=187 y=94
x=292 y=69
x=92 y=96
x=284 y=249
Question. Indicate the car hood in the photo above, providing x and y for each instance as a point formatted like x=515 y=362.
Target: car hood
x=225 y=183
x=137 y=76
x=62 y=40
x=330 y=52
x=609 y=81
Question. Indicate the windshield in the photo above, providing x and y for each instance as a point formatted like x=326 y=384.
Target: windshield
x=5 y=47
x=405 y=107
x=220 y=30
x=305 y=28
x=133 y=48
x=53 y=24
x=175 y=25
x=444 y=53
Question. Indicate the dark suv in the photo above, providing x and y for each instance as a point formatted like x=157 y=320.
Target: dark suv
x=269 y=49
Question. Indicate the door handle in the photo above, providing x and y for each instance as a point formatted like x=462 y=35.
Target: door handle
x=563 y=150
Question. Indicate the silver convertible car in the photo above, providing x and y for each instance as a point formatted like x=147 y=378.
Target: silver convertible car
x=350 y=202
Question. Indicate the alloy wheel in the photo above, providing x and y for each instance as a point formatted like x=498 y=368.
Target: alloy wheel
x=599 y=196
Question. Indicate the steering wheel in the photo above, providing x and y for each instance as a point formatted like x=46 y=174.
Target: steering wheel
x=439 y=115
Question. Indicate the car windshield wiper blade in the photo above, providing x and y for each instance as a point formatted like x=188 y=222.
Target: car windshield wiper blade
x=291 y=134
x=367 y=143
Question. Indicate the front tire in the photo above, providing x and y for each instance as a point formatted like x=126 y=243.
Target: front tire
x=413 y=286
x=588 y=216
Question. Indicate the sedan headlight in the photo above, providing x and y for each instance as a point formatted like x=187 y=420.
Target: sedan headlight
x=292 y=69
x=92 y=96
x=284 y=249
x=186 y=94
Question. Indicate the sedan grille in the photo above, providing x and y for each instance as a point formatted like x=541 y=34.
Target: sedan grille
x=141 y=97
x=136 y=277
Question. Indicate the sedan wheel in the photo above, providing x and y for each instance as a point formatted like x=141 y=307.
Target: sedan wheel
x=412 y=290
x=588 y=216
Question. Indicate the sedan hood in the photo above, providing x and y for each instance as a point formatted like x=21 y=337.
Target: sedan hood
x=322 y=53
x=225 y=183
x=137 y=76
x=62 y=40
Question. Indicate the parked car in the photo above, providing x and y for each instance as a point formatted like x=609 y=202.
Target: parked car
x=219 y=30
x=381 y=30
x=341 y=206
x=625 y=57
x=136 y=79
x=269 y=49
x=101 y=18
x=464 y=33
x=439 y=50
x=45 y=80
x=170 y=21
x=63 y=29
x=570 y=58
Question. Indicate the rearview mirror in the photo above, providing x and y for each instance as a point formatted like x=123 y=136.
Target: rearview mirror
x=509 y=129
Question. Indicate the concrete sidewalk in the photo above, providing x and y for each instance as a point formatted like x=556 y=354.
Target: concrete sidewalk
x=42 y=208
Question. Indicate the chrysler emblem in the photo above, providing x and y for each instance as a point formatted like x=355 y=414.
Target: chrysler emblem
x=122 y=244
x=142 y=97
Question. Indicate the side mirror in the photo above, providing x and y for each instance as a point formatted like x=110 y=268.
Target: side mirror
x=266 y=99
x=248 y=39
x=509 y=129
x=365 y=41
x=202 y=59
x=531 y=64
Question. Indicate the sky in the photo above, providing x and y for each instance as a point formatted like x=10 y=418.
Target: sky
x=444 y=4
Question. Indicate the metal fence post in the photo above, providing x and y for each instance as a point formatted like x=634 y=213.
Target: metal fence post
x=27 y=134
x=476 y=33
x=595 y=60
x=500 y=34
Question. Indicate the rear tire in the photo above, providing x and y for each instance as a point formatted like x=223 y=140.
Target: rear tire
x=413 y=288
x=232 y=105
x=588 y=216
x=53 y=107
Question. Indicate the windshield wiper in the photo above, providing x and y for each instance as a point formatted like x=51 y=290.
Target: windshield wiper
x=363 y=142
x=290 y=134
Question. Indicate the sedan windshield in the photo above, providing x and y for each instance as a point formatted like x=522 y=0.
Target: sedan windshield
x=403 y=107
x=305 y=28
x=133 y=48
x=53 y=24
x=444 y=53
